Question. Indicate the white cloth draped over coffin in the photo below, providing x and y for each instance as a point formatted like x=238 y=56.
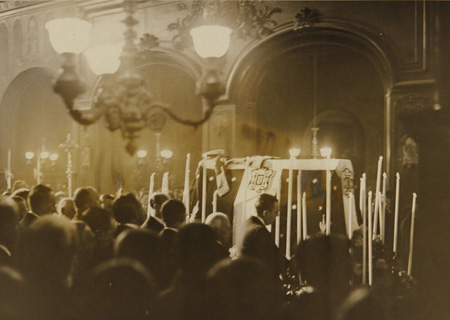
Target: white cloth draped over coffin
x=263 y=174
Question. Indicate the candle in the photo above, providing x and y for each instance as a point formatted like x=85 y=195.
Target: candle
x=328 y=204
x=364 y=218
x=411 y=234
x=9 y=176
x=186 y=190
x=350 y=202
x=150 y=193
x=305 y=229
x=277 y=220
x=397 y=197
x=165 y=183
x=299 y=206
x=369 y=219
x=215 y=195
x=377 y=189
x=203 y=190
x=289 y=213
x=383 y=209
x=245 y=179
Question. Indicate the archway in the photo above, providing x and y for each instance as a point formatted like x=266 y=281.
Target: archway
x=30 y=112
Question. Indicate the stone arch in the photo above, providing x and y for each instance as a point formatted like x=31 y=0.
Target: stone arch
x=30 y=111
x=252 y=68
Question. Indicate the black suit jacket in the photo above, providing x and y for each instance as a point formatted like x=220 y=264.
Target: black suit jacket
x=169 y=263
x=258 y=243
x=153 y=224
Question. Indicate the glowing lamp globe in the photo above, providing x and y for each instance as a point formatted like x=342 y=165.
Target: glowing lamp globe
x=29 y=155
x=325 y=152
x=294 y=152
x=44 y=155
x=69 y=35
x=54 y=157
x=211 y=41
x=141 y=154
x=103 y=59
x=166 y=154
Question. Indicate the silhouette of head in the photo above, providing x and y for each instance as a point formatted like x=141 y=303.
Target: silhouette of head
x=42 y=200
x=128 y=209
x=173 y=213
x=221 y=225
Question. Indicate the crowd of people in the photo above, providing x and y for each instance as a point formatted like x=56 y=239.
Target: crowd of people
x=106 y=257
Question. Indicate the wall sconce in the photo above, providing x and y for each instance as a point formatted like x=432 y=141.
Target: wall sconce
x=141 y=154
x=166 y=154
x=122 y=96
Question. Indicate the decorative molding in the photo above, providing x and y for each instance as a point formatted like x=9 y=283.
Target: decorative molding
x=306 y=18
x=413 y=102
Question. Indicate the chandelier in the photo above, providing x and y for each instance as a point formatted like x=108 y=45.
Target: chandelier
x=122 y=96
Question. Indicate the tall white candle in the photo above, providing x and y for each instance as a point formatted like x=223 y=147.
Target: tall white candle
x=411 y=234
x=186 y=195
x=350 y=214
x=377 y=189
x=364 y=218
x=304 y=222
x=299 y=206
x=9 y=175
x=289 y=212
x=151 y=187
x=277 y=220
x=215 y=196
x=397 y=198
x=204 y=190
x=383 y=209
x=245 y=178
x=369 y=218
x=328 y=204
x=165 y=183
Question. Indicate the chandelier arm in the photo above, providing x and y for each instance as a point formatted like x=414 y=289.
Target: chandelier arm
x=193 y=123
x=85 y=118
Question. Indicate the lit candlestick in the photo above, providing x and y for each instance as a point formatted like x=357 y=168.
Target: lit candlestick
x=214 y=203
x=245 y=178
x=326 y=153
x=151 y=187
x=299 y=206
x=8 y=172
x=204 y=191
x=277 y=220
x=305 y=229
x=289 y=211
x=397 y=198
x=165 y=183
x=186 y=195
x=369 y=218
x=364 y=218
x=411 y=234
x=377 y=189
x=383 y=209
x=350 y=213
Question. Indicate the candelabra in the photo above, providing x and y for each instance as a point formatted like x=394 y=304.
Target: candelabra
x=42 y=158
x=68 y=146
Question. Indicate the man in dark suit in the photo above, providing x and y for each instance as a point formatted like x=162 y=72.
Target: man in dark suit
x=174 y=216
x=154 y=222
x=8 y=228
x=42 y=201
x=256 y=240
